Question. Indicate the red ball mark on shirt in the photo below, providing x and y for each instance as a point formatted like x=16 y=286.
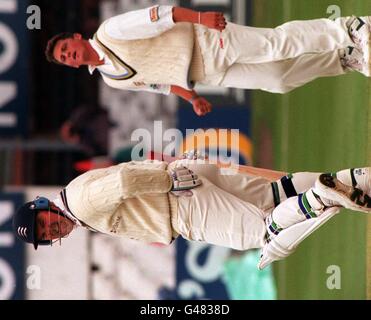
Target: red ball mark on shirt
x=221 y=42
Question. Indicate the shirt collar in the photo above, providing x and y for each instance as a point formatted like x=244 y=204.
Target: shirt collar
x=59 y=203
x=100 y=53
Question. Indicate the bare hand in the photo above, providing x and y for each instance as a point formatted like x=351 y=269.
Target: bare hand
x=213 y=20
x=201 y=106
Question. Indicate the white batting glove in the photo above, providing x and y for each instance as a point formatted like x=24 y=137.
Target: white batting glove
x=184 y=179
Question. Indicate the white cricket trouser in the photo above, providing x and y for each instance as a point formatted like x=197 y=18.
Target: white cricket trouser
x=283 y=76
x=257 y=58
x=220 y=218
x=226 y=210
x=229 y=210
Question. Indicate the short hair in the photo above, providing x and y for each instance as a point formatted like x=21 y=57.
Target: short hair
x=49 y=52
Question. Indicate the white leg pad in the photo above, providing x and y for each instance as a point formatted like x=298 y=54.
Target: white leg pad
x=288 y=239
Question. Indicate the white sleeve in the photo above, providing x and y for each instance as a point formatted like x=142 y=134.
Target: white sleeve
x=141 y=24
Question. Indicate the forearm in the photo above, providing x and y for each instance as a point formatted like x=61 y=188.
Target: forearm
x=185 y=15
x=213 y=20
x=200 y=105
x=138 y=181
x=185 y=94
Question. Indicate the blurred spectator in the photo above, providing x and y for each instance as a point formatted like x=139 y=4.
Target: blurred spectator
x=88 y=127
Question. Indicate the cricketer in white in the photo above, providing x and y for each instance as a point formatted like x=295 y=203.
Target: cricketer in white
x=167 y=49
x=153 y=201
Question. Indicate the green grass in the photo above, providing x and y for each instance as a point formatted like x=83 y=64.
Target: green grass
x=322 y=126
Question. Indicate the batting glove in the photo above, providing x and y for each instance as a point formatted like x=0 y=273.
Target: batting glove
x=184 y=179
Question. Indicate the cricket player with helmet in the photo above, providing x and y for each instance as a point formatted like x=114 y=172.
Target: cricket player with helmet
x=155 y=201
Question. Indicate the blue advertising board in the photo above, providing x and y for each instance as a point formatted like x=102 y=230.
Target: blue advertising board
x=12 y=256
x=14 y=72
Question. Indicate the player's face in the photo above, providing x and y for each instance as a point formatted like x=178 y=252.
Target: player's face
x=71 y=52
x=51 y=226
